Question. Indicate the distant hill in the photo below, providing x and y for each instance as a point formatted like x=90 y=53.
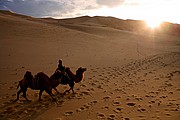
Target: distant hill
x=112 y=22
x=129 y=25
x=13 y=14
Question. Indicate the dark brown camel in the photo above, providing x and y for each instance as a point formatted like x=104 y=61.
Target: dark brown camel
x=72 y=78
x=40 y=82
x=56 y=79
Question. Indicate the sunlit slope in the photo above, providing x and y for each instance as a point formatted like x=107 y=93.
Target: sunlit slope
x=128 y=25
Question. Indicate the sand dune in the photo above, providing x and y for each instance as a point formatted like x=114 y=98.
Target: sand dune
x=130 y=74
x=137 y=26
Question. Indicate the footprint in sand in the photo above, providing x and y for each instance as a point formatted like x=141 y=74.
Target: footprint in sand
x=139 y=98
x=126 y=119
x=5 y=97
x=168 y=114
x=9 y=110
x=86 y=106
x=90 y=78
x=91 y=89
x=100 y=87
x=131 y=104
x=106 y=97
x=118 y=110
x=80 y=109
x=82 y=85
x=94 y=101
x=58 y=119
x=111 y=117
x=141 y=109
x=59 y=103
x=10 y=88
x=101 y=116
x=105 y=107
x=68 y=113
x=85 y=93
x=116 y=103
x=93 y=84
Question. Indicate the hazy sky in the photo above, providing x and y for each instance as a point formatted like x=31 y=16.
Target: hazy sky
x=162 y=10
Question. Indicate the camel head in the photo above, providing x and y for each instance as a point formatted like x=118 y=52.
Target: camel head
x=81 y=69
x=80 y=74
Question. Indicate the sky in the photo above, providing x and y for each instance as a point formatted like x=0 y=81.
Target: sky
x=152 y=10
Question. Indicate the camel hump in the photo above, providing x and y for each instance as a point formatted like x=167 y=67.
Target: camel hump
x=67 y=68
x=41 y=74
x=28 y=75
x=57 y=74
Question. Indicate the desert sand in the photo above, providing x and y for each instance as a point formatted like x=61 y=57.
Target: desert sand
x=130 y=75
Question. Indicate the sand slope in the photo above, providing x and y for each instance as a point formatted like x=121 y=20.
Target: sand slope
x=130 y=75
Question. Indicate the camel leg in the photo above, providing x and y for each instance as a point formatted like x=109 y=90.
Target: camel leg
x=24 y=95
x=40 y=93
x=73 y=90
x=18 y=94
x=72 y=86
x=56 y=90
x=50 y=93
x=69 y=90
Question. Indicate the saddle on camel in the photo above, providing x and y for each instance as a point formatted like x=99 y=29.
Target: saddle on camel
x=72 y=78
x=40 y=82
x=69 y=77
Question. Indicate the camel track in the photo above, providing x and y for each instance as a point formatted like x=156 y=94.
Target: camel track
x=149 y=82
x=150 y=63
x=133 y=73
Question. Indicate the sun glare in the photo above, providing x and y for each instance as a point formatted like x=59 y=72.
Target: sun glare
x=153 y=12
x=153 y=23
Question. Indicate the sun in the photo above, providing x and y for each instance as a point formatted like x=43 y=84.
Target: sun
x=153 y=23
